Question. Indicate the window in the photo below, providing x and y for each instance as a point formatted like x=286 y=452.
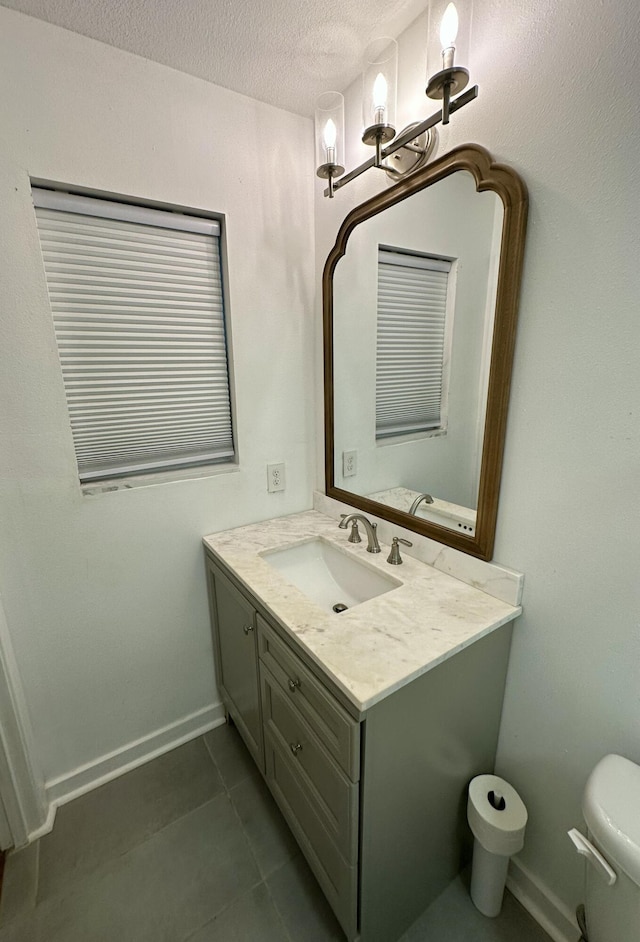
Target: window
x=412 y=337
x=137 y=303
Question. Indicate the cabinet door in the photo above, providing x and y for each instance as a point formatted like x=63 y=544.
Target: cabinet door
x=237 y=659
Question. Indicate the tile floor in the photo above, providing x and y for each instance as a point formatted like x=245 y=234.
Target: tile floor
x=192 y=848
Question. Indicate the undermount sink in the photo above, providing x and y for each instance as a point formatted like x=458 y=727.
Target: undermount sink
x=332 y=578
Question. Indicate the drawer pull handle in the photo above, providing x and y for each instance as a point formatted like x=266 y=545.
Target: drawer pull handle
x=247 y=628
x=293 y=684
x=295 y=747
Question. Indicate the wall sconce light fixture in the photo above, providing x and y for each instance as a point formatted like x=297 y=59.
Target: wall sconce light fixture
x=412 y=147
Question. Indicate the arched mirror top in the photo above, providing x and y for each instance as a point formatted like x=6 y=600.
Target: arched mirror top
x=420 y=295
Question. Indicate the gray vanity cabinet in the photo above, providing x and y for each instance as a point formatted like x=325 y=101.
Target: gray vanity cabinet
x=375 y=799
x=312 y=751
x=235 y=640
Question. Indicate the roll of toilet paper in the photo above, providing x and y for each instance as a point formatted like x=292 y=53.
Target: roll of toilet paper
x=496 y=815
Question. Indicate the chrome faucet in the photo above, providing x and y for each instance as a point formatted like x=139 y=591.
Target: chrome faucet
x=427 y=498
x=372 y=537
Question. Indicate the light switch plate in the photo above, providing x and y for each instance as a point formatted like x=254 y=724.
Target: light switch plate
x=275 y=477
x=349 y=463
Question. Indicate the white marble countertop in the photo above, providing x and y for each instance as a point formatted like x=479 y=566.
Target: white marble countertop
x=378 y=646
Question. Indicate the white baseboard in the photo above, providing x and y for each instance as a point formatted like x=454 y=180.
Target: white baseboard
x=87 y=777
x=45 y=827
x=554 y=917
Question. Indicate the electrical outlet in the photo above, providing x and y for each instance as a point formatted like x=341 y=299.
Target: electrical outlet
x=275 y=477
x=349 y=463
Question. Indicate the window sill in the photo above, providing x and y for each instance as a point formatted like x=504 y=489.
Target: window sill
x=97 y=488
x=410 y=437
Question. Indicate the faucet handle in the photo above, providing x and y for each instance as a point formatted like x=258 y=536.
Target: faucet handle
x=394 y=557
x=354 y=536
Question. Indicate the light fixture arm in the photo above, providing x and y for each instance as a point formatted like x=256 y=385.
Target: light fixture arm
x=446 y=101
x=407 y=137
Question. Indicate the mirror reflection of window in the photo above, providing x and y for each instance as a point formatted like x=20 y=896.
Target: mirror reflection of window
x=414 y=313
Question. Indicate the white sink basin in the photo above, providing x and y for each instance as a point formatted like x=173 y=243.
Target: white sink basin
x=329 y=576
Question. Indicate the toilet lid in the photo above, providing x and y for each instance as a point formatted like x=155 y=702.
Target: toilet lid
x=611 y=808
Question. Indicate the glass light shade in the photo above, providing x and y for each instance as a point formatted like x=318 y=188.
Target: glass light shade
x=449 y=34
x=379 y=83
x=329 y=130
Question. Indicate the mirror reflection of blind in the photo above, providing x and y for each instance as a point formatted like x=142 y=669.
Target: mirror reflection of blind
x=137 y=304
x=412 y=308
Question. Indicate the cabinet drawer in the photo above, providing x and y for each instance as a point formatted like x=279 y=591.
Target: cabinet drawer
x=333 y=796
x=336 y=877
x=336 y=730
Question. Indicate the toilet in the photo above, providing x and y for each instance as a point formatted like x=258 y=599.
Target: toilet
x=611 y=810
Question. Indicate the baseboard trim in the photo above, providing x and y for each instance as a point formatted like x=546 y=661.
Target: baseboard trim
x=545 y=907
x=45 y=828
x=87 y=777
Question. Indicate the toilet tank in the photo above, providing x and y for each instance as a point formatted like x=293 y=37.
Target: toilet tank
x=611 y=809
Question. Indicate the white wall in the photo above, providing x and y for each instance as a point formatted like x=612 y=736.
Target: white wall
x=559 y=102
x=105 y=596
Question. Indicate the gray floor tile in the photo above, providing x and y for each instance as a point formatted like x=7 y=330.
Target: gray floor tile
x=452 y=917
x=267 y=831
x=111 y=820
x=252 y=918
x=301 y=904
x=18 y=930
x=161 y=890
x=19 y=884
x=230 y=755
x=200 y=875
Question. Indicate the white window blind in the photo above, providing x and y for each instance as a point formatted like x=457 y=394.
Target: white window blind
x=411 y=336
x=137 y=302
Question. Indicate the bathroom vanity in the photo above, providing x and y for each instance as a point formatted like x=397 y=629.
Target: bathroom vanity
x=369 y=710
x=367 y=724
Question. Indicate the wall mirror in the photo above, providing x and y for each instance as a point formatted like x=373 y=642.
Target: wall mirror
x=420 y=296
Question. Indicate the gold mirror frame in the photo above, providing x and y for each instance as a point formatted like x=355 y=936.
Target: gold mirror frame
x=506 y=183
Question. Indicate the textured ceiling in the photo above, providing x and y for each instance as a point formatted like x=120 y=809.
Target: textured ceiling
x=285 y=52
